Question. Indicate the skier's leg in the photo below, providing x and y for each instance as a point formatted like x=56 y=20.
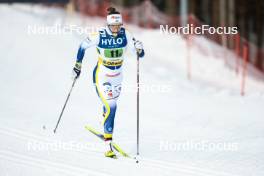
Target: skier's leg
x=108 y=89
x=109 y=127
x=111 y=92
x=108 y=123
x=109 y=109
x=109 y=119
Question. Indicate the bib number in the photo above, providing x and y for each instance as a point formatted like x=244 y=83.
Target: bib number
x=113 y=53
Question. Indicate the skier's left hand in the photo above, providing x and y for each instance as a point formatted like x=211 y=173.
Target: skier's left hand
x=139 y=46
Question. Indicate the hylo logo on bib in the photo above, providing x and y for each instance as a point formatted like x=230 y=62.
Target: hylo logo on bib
x=112 y=41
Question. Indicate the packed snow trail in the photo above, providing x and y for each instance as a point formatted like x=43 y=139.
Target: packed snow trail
x=35 y=72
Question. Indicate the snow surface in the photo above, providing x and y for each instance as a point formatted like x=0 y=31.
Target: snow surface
x=35 y=72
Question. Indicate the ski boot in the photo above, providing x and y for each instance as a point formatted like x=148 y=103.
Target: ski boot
x=109 y=147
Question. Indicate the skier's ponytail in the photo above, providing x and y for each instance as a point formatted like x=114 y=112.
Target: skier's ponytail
x=112 y=10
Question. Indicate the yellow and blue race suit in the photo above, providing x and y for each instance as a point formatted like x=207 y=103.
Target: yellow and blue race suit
x=107 y=74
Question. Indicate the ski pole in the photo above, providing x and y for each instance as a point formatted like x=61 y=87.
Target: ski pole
x=137 y=99
x=65 y=104
x=137 y=103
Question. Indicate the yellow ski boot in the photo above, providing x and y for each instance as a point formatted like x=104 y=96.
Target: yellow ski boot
x=109 y=147
x=110 y=154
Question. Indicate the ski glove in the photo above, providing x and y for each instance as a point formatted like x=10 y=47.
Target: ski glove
x=138 y=46
x=77 y=70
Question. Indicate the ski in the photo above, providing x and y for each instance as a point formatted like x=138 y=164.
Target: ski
x=101 y=136
x=96 y=133
x=122 y=152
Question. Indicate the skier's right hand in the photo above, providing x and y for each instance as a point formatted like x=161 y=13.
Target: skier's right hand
x=77 y=70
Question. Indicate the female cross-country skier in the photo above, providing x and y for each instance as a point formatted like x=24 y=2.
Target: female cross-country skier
x=111 y=42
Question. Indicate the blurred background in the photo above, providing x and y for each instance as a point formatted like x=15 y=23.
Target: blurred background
x=247 y=15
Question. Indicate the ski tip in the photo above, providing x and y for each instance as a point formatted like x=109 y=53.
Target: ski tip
x=87 y=127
